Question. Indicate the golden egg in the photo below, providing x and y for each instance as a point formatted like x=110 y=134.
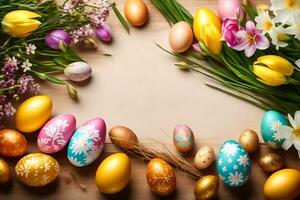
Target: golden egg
x=12 y=143
x=206 y=187
x=161 y=177
x=136 y=12
x=5 y=173
x=123 y=137
x=113 y=173
x=33 y=113
x=283 y=184
x=249 y=140
x=204 y=157
x=271 y=162
x=37 y=169
x=181 y=37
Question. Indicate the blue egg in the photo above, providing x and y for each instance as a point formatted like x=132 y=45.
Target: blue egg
x=269 y=126
x=233 y=164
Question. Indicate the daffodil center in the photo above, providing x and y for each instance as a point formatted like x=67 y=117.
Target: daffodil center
x=297 y=134
x=283 y=37
x=291 y=3
x=267 y=25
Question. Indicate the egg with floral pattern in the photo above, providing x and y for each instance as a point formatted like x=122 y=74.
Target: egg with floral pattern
x=183 y=138
x=233 y=164
x=56 y=133
x=87 y=143
x=37 y=169
x=271 y=122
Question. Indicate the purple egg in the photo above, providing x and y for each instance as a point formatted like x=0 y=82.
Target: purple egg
x=55 y=37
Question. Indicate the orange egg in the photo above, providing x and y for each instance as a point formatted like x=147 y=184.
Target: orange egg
x=181 y=37
x=136 y=12
x=161 y=177
x=12 y=143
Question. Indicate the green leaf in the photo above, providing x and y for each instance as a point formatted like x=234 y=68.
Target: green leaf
x=120 y=17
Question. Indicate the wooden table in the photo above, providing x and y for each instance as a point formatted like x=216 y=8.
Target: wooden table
x=140 y=88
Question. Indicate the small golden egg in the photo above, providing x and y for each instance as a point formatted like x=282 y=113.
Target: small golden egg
x=12 y=143
x=283 y=185
x=5 y=173
x=206 y=187
x=136 y=12
x=160 y=177
x=249 y=140
x=271 y=162
x=123 y=137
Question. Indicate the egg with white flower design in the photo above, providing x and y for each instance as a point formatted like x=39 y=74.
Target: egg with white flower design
x=87 y=143
x=271 y=122
x=56 y=133
x=233 y=164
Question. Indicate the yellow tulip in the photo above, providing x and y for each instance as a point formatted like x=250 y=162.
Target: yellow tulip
x=20 y=23
x=272 y=70
x=207 y=28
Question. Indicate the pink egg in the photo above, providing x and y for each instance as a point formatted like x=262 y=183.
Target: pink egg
x=230 y=8
x=56 y=133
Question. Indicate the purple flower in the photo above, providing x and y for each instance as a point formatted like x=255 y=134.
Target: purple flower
x=229 y=29
x=27 y=85
x=10 y=66
x=56 y=37
x=82 y=33
x=251 y=39
x=104 y=33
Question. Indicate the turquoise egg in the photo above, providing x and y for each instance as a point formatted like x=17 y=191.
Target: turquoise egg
x=233 y=164
x=269 y=126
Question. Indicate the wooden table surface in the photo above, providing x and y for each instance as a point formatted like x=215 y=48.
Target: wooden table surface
x=140 y=88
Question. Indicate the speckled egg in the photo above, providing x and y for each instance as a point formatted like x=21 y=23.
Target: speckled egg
x=12 y=143
x=270 y=124
x=233 y=164
x=87 y=143
x=204 y=157
x=183 y=138
x=56 y=133
x=37 y=169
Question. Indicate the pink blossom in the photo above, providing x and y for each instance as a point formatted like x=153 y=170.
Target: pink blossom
x=251 y=39
x=229 y=29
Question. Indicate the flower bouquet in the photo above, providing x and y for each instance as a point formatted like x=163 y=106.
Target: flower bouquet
x=35 y=41
x=253 y=51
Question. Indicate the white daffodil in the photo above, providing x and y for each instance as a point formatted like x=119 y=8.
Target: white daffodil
x=291 y=134
x=294 y=29
x=279 y=37
x=264 y=21
x=298 y=62
x=286 y=11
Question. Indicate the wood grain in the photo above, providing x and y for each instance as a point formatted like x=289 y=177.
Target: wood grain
x=139 y=87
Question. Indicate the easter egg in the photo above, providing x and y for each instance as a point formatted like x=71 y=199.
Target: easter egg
x=33 y=113
x=183 y=138
x=181 y=37
x=113 y=173
x=160 y=177
x=12 y=143
x=5 y=173
x=56 y=133
x=230 y=8
x=271 y=122
x=123 y=137
x=206 y=187
x=249 y=140
x=283 y=184
x=87 y=143
x=136 y=12
x=271 y=162
x=37 y=169
x=204 y=157
x=233 y=164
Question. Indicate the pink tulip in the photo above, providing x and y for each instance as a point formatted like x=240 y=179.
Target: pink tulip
x=251 y=39
x=230 y=9
x=229 y=29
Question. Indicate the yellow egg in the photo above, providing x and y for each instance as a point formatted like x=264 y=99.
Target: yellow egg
x=136 y=12
x=181 y=37
x=33 y=113
x=113 y=173
x=283 y=184
x=206 y=187
x=5 y=173
x=37 y=169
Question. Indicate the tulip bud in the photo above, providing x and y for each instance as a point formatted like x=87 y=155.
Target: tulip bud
x=20 y=23
x=72 y=91
x=207 y=28
x=272 y=70
x=104 y=33
x=78 y=71
x=56 y=38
